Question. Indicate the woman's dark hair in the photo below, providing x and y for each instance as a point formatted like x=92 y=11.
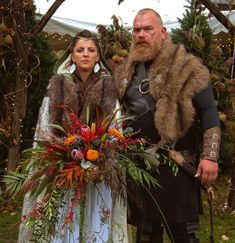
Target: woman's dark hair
x=84 y=34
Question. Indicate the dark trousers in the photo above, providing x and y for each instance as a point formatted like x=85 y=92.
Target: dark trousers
x=178 y=233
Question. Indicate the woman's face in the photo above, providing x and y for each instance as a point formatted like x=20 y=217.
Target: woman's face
x=85 y=55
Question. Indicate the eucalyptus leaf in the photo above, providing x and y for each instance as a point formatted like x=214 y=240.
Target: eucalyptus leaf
x=56 y=126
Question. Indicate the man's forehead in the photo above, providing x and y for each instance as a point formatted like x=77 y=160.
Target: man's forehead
x=145 y=20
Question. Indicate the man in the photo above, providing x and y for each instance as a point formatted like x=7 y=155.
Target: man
x=168 y=91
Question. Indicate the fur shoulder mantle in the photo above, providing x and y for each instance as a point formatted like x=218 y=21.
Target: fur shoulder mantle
x=62 y=89
x=175 y=77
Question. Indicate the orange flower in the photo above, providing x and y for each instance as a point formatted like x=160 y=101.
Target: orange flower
x=92 y=155
x=114 y=132
x=70 y=139
x=70 y=172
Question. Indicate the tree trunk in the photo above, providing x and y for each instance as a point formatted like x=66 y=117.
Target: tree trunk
x=18 y=115
x=231 y=196
x=22 y=48
x=15 y=17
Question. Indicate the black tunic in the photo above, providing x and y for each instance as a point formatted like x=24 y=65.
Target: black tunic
x=178 y=198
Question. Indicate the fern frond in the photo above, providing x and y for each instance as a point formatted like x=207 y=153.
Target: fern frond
x=14 y=181
x=137 y=174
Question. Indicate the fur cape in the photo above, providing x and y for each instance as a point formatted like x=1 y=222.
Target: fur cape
x=63 y=90
x=175 y=76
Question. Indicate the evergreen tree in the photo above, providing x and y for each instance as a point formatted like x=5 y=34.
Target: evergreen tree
x=197 y=37
x=194 y=32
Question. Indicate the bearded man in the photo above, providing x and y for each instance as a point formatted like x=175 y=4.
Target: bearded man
x=168 y=91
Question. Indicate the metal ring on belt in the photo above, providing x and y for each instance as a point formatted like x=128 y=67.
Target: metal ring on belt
x=146 y=80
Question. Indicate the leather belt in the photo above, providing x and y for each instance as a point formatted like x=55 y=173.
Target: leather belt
x=189 y=155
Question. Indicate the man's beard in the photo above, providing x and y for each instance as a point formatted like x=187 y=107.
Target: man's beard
x=143 y=52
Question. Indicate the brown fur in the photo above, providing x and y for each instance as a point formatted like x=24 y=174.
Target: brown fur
x=63 y=91
x=175 y=77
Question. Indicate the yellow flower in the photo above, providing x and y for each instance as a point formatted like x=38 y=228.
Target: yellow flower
x=92 y=155
x=70 y=139
x=114 y=132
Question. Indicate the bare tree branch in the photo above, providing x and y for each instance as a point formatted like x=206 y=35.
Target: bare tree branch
x=40 y=25
x=221 y=17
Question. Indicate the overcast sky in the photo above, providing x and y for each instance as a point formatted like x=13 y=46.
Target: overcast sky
x=101 y=11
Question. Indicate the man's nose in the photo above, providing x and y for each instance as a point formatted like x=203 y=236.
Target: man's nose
x=141 y=33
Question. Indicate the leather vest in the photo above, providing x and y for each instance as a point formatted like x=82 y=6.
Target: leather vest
x=138 y=102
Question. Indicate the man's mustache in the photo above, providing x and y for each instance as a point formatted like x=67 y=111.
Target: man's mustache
x=141 y=43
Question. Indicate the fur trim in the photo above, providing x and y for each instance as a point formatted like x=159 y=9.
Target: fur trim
x=64 y=91
x=175 y=77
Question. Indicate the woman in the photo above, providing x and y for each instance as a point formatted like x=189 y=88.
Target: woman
x=87 y=85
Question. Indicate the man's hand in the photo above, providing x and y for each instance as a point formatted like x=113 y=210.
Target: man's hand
x=208 y=171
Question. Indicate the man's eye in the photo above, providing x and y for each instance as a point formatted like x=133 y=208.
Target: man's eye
x=148 y=29
x=136 y=30
x=145 y=29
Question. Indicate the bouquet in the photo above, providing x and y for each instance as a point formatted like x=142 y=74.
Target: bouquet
x=83 y=153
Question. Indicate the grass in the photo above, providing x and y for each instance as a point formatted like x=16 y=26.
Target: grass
x=224 y=220
x=10 y=213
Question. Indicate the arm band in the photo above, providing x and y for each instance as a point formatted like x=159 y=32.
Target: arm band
x=211 y=143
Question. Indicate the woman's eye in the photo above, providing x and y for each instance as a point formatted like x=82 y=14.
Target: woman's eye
x=80 y=50
x=91 y=49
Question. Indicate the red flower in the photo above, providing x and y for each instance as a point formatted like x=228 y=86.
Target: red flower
x=49 y=150
x=87 y=133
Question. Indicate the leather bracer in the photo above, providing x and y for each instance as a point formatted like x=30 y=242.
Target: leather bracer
x=211 y=143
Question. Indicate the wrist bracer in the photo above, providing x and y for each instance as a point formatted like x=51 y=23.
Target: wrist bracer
x=211 y=143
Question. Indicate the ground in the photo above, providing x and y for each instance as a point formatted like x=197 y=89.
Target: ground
x=223 y=219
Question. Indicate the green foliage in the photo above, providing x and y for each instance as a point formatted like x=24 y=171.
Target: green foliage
x=50 y=172
x=195 y=32
x=138 y=174
x=14 y=182
x=43 y=221
x=115 y=42
x=120 y=39
x=197 y=37
x=223 y=218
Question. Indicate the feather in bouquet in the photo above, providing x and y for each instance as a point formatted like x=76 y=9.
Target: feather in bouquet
x=85 y=153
